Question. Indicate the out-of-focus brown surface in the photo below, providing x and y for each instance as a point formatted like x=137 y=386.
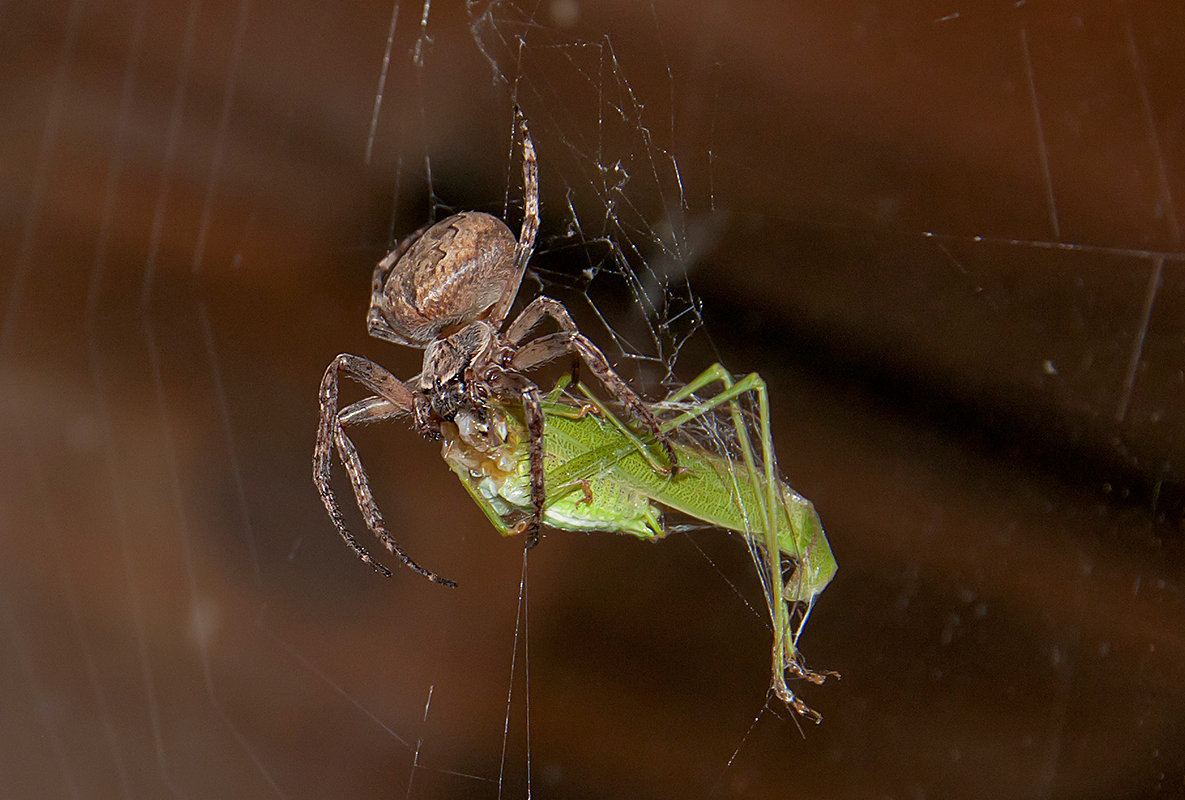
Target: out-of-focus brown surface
x=991 y=427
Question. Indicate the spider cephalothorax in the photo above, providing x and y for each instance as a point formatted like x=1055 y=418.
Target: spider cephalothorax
x=449 y=380
x=447 y=289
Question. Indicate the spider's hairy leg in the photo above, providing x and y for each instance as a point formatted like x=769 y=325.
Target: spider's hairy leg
x=370 y=509
x=372 y=409
x=331 y=432
x=520 y=387
x=553 y=345
x=526 y=236
x=534 y=313
x=323 y=463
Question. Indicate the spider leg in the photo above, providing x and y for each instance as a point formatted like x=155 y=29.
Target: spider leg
x=372 y=409
x=535 y=312
x=522 y=388
x=553 y=345
x=526 y=237
x=323 y=463
x=394 y=398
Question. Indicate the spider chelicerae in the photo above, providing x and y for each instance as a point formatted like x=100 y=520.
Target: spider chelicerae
x=447 y=289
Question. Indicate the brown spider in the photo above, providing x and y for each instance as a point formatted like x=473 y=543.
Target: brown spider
x=447 y=289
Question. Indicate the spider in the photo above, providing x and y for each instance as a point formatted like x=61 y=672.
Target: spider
x=447 y=289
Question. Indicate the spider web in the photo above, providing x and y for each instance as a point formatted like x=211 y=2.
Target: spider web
x=948 y=238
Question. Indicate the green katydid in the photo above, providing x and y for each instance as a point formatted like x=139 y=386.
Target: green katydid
x=602 y=475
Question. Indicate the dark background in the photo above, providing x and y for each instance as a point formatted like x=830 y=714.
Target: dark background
x=947 y=235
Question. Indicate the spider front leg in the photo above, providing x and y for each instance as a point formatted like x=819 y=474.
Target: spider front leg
x=395 y=398
x=519 y=387
x=534 y=313
x=553 y=345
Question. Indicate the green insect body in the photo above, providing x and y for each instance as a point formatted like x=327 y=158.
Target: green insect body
x=602 y=475
x=497 y=477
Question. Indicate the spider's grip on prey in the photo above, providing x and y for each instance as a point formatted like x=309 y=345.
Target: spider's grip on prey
x=447 y=289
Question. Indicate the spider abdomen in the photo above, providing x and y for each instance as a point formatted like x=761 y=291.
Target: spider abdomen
x=453 y=273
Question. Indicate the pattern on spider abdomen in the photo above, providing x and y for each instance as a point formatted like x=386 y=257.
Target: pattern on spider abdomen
x=432 y=287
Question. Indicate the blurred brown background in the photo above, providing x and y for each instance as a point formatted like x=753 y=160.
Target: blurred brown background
x=948 y=236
